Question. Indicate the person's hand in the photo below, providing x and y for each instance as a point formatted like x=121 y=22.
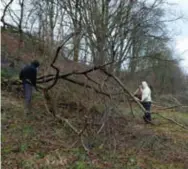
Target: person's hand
x=136 y=98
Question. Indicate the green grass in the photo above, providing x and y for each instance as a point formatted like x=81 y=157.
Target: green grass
x=9 y=73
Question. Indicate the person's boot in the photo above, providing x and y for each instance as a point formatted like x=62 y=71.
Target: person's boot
x=27 y=111
x=147 y=117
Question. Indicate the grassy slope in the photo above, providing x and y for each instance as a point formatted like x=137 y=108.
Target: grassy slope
x=41 y=142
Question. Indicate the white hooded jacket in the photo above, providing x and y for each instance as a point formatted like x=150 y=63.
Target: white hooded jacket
x=146 y=92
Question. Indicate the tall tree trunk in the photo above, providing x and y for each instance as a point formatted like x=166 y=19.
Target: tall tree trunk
x=77 y=26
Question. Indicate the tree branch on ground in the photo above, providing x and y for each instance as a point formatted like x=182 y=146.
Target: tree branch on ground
x=172 y=120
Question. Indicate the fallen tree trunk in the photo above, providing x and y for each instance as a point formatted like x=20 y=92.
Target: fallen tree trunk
x=125 y=89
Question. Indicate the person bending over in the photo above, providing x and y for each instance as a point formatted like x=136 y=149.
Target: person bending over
x=28 y=75
x=146 y=101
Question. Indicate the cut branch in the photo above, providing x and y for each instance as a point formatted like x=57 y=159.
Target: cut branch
x=43 y=79
x=124 y=88
x=87 y=86
x=171 y=120
x=54 y=60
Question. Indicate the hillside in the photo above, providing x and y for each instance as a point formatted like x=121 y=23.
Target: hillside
x=113 y=136
x=42 y=142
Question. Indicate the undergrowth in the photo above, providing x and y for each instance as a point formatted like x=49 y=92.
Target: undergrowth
x=41 y=142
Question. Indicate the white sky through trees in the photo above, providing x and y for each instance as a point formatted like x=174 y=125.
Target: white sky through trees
x=181 y=32
x=179 y=29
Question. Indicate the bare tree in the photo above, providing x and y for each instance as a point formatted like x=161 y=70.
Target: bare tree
x=4 y=12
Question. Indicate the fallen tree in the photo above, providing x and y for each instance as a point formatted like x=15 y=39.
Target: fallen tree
x=99 y=87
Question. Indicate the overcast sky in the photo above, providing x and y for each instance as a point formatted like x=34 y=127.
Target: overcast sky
x=180 y=44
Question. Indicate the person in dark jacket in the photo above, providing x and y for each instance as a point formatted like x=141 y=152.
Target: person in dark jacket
x=28 y=75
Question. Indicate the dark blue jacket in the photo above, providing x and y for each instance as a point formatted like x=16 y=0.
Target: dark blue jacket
x=29 y=73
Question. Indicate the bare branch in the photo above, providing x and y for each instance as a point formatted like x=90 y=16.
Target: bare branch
x=54 y=60
x=125 y=89
x=173 y=121
x=4 y=12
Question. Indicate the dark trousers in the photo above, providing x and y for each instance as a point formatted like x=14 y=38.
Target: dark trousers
x=27 y=96
x=147 y=106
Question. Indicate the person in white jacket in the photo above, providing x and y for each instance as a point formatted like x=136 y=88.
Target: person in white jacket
x=146 y=100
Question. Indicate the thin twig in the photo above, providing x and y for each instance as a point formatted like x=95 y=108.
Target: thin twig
x=172 y=120
x=52 y=77
x=4 y=12
x=54 y=60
